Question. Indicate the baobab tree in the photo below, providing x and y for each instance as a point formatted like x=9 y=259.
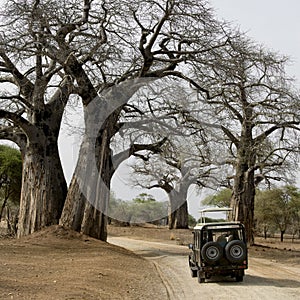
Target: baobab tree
x=185 y=158
x=257 y=110
x=99 y=51
x=174 y=171
x=33 y=96
x=156 y=38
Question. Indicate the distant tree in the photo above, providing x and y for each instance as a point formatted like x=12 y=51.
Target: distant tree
x=142 y=209
x=10 y=182
x=294 y=207
x=263 y=215
x=181 y=163
x=220 y=199
x=278 y=208
x=145 y=208
x=192 y=221
x=144 y=198
x=119 y=211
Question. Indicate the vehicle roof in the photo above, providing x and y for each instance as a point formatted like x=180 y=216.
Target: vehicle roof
x=215 y=209
x=218 y=225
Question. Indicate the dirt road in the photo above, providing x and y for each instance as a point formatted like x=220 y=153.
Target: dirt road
x=265 y=279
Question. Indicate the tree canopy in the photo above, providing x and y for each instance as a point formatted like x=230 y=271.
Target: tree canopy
x=278 y=209
x=10 y=185
x=10 y=174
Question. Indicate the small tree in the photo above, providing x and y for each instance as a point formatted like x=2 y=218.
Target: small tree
x=10 y=183
x=119 y=211
x=220 y=199
x=277 y=207
x=147 y=209
x=263 y=216
x=142 y=209
x=294 y=207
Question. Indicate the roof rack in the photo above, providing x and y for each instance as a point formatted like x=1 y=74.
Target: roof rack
x=213 y=209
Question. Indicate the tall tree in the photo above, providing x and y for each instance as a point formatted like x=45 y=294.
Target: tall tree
x=179 y=165
x=98 y=50
x=34 y=93
x=154 y=38
x=257 y=109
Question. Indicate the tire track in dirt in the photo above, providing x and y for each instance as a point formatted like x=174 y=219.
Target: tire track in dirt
x=168 y=286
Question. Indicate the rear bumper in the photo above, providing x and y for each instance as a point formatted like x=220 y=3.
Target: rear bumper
x=232 y=269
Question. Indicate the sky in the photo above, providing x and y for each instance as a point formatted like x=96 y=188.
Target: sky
x=273 y=23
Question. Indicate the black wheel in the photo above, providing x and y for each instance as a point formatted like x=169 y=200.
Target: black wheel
x=212 y=252
x=235 y=251
x=240 y=276
x=193 y=273
x=201 y=277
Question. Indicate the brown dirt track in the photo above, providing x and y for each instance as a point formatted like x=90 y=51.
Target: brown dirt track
x=61 y=264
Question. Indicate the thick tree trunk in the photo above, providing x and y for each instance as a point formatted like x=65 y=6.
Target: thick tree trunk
x=178 y=210
x=86 y=204
x=242 y=201
x=87 y=200
x=43 y=188
x=265 y=232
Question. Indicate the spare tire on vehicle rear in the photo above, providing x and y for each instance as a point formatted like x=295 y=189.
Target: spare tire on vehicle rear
x=212 y=252
x=236 y=251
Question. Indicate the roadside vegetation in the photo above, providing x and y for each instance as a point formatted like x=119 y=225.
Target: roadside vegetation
x=10 y=187
x=277 y=210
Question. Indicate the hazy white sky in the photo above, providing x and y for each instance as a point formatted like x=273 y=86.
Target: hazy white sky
x=274 y=23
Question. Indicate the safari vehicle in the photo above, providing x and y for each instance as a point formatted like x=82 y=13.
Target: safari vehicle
x=218 y=249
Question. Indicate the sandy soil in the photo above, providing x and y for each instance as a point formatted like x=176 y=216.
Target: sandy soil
x=61 y=264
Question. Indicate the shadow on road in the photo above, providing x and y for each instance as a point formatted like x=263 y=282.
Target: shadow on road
x=251 y=280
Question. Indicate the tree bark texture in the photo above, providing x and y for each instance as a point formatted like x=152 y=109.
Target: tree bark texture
x=86 y=204
x=282 y=232
x=243 y=203
x=85 y=209
x=244 y=184
x=178 y=212
x=43 y=188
